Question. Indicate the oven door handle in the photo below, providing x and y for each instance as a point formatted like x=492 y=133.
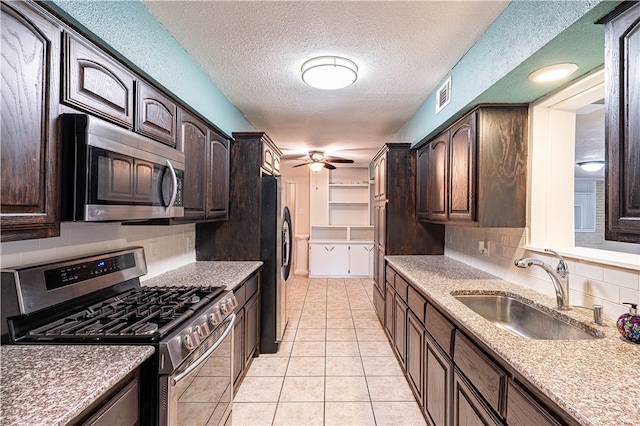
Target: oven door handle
x=209 y=351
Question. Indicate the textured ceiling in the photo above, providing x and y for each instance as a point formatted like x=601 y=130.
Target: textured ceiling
x=253 y=51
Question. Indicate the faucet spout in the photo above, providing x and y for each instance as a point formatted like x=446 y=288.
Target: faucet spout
x=559 y=277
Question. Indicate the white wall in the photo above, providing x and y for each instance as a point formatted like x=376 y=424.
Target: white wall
x=590 y=282
x=166 y=247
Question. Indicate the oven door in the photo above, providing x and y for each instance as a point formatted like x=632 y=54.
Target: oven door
x=200 y=390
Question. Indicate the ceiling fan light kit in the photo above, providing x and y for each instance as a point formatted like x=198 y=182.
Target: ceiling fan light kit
x=329 y=72
x=316 y=166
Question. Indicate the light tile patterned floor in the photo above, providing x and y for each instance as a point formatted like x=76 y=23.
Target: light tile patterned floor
x=334 y=367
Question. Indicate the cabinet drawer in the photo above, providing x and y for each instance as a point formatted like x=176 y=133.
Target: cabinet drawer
x=390 y=275
x=416 y=303
x=487 y=377
x=122 y=409
x=401 y=287
x=251 y=286
x=440 y=328
x=523 y=409
x=241 y=295
x=97 y=84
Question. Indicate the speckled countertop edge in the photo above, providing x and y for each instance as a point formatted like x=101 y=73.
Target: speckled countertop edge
x=595 y=381
x=52 y=384
x=204 y=273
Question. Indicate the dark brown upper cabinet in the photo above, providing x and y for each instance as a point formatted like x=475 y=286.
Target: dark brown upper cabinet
x=474 y=172
x=95 y=83
x=29 y=190
x=156 y=114
x=622 y=134
x=217 y=166
x=194 y=139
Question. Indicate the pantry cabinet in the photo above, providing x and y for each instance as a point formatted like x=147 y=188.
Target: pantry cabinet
x=474 y=172
x=396 y=228
x=30 y=186
x=622 y=127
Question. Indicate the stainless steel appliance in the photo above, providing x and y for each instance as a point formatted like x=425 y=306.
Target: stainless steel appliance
x=276 y=246
x=99 y=300
x=110 y=173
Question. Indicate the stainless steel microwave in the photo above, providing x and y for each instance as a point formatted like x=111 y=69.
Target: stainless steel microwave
x=112 y=174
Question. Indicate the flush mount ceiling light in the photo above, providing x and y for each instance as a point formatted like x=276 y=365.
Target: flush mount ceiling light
x=316 y=166
x=591 y=166
x=553 y=72
x=329 y=72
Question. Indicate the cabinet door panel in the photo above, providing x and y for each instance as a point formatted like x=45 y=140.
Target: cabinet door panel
x=415 y=353
x=193 y=137
x=523 y=410
x=29 y=148
x=319 y=260
x=437 y=178
x=218 y=181
x=623 y=126
x=156 y=115
x=238 y=346
x=437 y=387
x=400 y=329
x=462 y=160
x=95 y=83
x=422 y=183
x=252 y=327
x=468 y=407
x=389 y=316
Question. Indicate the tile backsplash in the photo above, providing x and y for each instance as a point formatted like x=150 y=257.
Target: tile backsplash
x=165 y=247
x=590 y=283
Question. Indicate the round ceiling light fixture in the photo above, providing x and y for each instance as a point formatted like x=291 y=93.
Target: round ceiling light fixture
x=591 y=166
x=329 y=72
x=553 y=72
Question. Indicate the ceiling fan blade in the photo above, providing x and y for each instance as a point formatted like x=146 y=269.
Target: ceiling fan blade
x=300 y=165
x=329 y=166
x=294 y=157
x=338 y=160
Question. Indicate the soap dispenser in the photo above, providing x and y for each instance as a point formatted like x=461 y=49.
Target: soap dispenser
x=629 y=324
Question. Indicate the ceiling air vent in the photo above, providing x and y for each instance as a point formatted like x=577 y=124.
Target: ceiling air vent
x=444 y=95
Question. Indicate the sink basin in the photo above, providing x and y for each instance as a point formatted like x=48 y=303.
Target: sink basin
x=524 y=320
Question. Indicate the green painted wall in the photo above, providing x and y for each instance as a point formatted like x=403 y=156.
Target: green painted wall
x=135 y=35
x=526 y=36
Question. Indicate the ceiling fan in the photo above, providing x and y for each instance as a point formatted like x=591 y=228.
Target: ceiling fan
x=317 y=160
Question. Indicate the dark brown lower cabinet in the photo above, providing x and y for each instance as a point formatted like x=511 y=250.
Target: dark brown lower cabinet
x=246 y=331
x=455 y=378
x=389 y=296
x=252 y=327
x=378 y=303
x=468 y=407
x=400 y=328
x=524 y=410
x=238 y=348
x=438 y=376
x=415 y=353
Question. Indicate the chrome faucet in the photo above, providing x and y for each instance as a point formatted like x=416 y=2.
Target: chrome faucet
x=559 y=277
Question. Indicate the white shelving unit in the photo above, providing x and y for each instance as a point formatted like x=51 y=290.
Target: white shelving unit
x=341 y=240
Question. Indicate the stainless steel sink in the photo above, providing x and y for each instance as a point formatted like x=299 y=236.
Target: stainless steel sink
x=525 y=320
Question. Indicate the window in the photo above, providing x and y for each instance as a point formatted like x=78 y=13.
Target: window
x=556 y=210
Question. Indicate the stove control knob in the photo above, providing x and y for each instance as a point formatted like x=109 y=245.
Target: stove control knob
x=191 y=341
x=234 y=302
x=215 y=318
x=227 y=306
x=202 y=330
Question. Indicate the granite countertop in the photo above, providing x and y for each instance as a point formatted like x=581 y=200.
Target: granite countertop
x=205 y=273
x=595 y=381
x=52 y=384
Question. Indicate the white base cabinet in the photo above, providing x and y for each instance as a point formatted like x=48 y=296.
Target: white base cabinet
x=340 y=259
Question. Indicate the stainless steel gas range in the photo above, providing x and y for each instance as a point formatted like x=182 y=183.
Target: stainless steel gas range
x=99 y=300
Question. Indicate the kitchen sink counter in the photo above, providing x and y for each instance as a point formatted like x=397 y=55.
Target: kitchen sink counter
x=207 y=273
x=52 y=384
x=595 y=381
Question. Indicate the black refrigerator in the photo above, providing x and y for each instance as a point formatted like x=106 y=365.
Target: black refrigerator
x=275 y=253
